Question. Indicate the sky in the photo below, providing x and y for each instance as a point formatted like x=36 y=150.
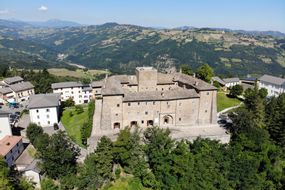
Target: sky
x=233 y=14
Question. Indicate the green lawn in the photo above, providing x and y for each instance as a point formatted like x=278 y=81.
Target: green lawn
x=224 y=102
x=74 y=123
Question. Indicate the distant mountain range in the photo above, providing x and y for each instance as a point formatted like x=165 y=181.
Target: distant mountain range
x=121 y=48
x=53 y=23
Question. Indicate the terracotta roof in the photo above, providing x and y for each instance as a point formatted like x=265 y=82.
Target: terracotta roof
x=43 y=100
x=176 y=93
x=8 y=143
x=18 y=87
x=12 y=80
x=272 y=80
x=66 y=85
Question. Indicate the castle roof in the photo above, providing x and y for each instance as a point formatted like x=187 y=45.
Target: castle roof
x=174 y=94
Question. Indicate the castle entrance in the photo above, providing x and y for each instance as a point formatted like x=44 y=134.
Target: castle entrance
x=133 y=124
x=150 y=123
x=116 y=125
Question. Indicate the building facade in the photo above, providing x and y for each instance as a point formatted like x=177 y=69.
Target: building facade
x=274 y=85
x=16 y=88
x=11 y=148
x=230 y=82
x=5 y=127
x=152 y=98
x=44 y=109
x=78 y=92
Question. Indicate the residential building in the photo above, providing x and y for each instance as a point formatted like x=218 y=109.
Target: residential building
x=152 y=98
x=5 y=127
x=17 y=89
x=13 y=80
x=230 y=82
x=11 y=148
x=77 y=91
x=28 y=166
x=44 y=109
x=274 y=85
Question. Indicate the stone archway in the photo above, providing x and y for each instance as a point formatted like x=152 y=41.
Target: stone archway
x=167 y=120
x=149 y=123
x=133 y=124
x=117 y=125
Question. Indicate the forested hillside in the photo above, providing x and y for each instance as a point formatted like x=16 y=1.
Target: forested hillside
x=121 y=48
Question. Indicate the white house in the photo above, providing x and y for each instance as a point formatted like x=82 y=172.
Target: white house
x=230 y=82
x=274 y=85
x=11 y=148
x=5 y=127
x=75 y=90
x=44 y=109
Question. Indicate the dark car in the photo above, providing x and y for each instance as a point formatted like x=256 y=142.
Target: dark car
x=222 y=121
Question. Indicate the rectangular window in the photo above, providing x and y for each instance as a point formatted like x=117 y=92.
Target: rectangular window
x=129 y=104
x=138 y=103
x=142 y=121
x=47 y=110
x=38 y=117
x=48 y=122
x=47 y=116
x=37 y=111
x=146 y=113
x=179 y=119
x=153 y=103
x=118 y=105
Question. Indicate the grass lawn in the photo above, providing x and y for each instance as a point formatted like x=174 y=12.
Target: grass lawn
x=126 y=183
x=74 y=123
x=224 y=102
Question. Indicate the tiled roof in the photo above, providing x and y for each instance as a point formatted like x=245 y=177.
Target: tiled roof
x=97 y=84
x=18 y=87
x=177 y=93
x=7 y=143
x=44 y=100
x=112 y=87
x=194 y=82
x=5 y=90
x=219 y=80
x=272 y=80
x=12 y=80
x=229 y=80
x=66 y=85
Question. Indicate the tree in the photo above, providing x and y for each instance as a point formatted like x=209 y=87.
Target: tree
x=48 y=184
x=158 y=151
x=262 y=93
x=236 y=91
x=33 y=132
x=275 y=119
x=205 y=72
x=128 y=152
x=5 y=181
x=68 y=103
x=98 y=166
x=185 y=69
x=59 y=158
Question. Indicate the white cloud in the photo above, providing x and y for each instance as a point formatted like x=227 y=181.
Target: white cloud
x=4 y=11
x=43 y=8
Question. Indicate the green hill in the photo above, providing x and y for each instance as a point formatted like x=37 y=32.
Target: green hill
x=121 y=48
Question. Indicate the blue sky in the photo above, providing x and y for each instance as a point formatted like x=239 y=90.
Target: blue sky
x=234 y=14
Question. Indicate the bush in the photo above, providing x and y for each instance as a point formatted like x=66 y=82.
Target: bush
x=118 y=173
x=79 y=109
x=236 y=91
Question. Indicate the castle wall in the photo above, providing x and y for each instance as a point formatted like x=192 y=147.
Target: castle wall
x=206 y=107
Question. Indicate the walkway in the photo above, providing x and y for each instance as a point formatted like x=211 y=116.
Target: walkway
x=228 y=109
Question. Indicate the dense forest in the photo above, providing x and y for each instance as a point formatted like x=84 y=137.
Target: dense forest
x=121 y=48
x=151 y=159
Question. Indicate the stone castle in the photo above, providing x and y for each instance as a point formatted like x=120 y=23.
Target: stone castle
x=150 y=98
